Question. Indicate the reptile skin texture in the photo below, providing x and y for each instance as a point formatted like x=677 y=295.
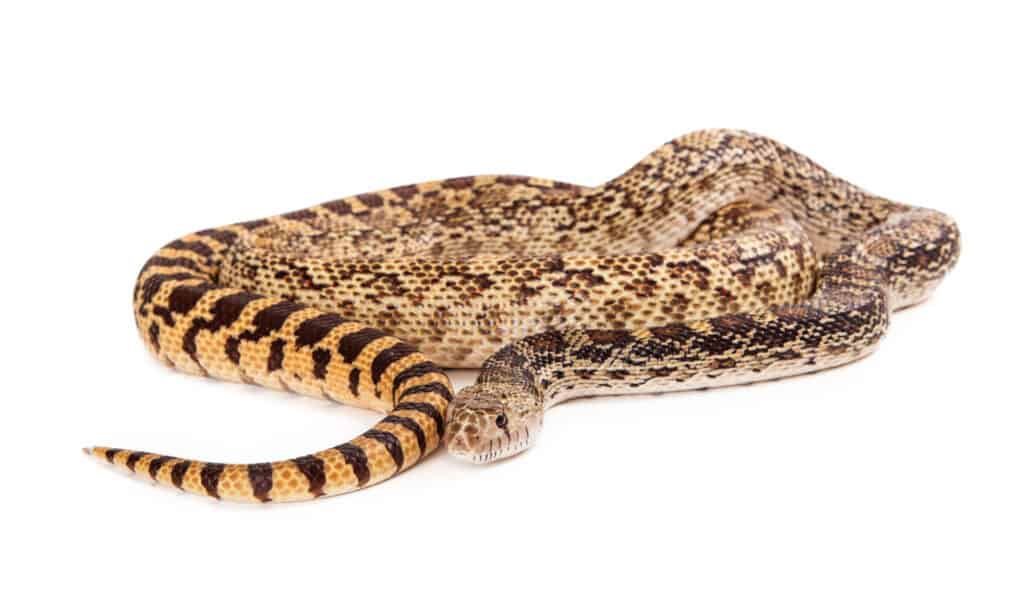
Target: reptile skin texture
x=721 y=258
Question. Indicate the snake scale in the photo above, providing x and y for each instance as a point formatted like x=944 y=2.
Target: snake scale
x=721 y=258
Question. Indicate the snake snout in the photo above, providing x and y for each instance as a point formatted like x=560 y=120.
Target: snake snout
x=481 y=450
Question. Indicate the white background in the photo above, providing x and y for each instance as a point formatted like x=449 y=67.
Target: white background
x=892 y=485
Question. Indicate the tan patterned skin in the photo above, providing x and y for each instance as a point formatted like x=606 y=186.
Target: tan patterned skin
x=723 y=257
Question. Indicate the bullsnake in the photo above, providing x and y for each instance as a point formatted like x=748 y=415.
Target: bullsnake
x=723 y=257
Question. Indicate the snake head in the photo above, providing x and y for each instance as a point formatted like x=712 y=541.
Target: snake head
x=488 y=422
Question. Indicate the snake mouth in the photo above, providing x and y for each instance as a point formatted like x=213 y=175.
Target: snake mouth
x=482 y=451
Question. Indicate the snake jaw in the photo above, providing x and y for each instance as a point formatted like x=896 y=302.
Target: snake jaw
x=488 y=423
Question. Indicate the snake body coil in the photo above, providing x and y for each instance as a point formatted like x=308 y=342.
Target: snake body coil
x=721 y=258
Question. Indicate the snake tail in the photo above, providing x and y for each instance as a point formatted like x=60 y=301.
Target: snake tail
x=193 y=323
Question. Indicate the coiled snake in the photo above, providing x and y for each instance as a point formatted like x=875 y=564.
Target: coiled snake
x=721 y=258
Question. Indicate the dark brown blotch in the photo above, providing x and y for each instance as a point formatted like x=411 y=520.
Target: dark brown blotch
x=428 y=410
x=261 y=478
x=371 y=200
x=313 y=468
x=406 y=192
x=673 y=332
x=391 y=443
x=386 y=358
x=357 y=459
x=156 y=464
x=412 y=426
x=313 y=330
x=132 y=459
x=353 y=382
x=209 y=476
x=617 y=338
x=321 y=358
x=276 y=358
x=302 y=215
x=739 y=324
x=178 y=472
x=338 y=207
x=352 y=344
x=458 y=183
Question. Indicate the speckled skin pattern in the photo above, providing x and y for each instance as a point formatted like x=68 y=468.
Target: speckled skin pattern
x=740 y=310
x=723 y=257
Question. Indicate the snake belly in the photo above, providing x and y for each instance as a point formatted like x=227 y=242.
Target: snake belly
x=723 y=257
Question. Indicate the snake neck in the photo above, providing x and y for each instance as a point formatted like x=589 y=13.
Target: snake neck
x=893 y=265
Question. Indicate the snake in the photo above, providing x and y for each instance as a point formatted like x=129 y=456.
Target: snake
x=721 y=258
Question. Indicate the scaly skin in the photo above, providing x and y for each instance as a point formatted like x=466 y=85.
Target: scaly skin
x=692 y=269
x=197 y=325
x=877 y=256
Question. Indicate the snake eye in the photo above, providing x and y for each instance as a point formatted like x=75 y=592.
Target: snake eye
x=501 y=421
